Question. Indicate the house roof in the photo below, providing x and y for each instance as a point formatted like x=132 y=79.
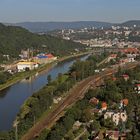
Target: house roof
x=124 y=60
x=130 y=50
x=25 y=63
x=125 y=101
x=138 y=85
x=104 y=104
x=49 y=55
x=94 y=100
x=43 y=55
x=113 y=55
x=125 y=76
x=114 y=78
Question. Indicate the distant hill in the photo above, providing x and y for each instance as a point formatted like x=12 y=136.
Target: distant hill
x=131 y=23
x=14 y=39
x=50 y=26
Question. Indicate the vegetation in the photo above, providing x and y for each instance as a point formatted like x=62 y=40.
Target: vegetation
x=15 y=39
x=42 y=100
x=112 y=93
x=4 y=76
x=8 y=79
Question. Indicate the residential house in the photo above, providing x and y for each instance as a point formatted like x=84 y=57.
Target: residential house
x=94 y=101
x=123 y=103
x=116 y=116
x=103 y=106
x=133 y=51
x=44 y=58
x=125 y=77
x=113 y=135
x=137 y=88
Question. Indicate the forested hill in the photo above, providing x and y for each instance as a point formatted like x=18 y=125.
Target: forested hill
x=131 y=23
x=14 y=39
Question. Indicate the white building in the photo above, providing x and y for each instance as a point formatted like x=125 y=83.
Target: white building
x=22 y=66
x=137 y=88
x=116 y=117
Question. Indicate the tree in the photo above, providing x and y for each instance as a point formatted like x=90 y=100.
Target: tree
x=49 y=78
x=95 y=126
x=70 y=136
x=68 y=122
x=86 y=116
x=15 y=39
x=60 y=76
x=4 y=76
x=108 y=123
x=74 y=75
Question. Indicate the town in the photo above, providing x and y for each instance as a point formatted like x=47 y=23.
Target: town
x=116 y=36
x=70 y=70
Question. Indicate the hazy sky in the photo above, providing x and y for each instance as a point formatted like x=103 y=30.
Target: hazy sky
x=69 y=10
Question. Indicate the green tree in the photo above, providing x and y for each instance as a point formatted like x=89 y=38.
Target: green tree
x=86 y=116
x=49 y=78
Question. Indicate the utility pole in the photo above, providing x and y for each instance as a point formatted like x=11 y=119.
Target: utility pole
x=83 y=71
x=67 y=86
x=16 y=132
x=16 y=129
x=34 y=120
x=28 y=50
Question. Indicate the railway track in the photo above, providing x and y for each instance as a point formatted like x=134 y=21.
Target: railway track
x=76 y=94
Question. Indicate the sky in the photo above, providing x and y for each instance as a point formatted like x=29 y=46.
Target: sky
x=115 y=11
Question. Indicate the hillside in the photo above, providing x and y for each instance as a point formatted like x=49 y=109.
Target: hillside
x=50 y=26
x=14 y=39
x=131 y=23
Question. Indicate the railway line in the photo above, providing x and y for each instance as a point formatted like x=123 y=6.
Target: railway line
x=76 y=94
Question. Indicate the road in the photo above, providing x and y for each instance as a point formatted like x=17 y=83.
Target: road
x=75 y=94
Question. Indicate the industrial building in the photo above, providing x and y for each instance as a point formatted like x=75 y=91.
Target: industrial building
x=44 y=58
x=22 y=66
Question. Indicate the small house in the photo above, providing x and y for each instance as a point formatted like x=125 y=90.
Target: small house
x=137 y=88
x=125 y=77
x=103 y=106
x=113 y=135
x=94 y=101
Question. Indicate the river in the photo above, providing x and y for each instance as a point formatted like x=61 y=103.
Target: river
x=12 y=98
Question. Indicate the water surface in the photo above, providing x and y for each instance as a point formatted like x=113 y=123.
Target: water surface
x=13 y=97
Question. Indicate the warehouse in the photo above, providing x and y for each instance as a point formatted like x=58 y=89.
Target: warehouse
x=22 y=66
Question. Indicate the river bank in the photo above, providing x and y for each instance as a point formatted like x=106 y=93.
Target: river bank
x=20 y=76
x=77 y=86
x=12 y=98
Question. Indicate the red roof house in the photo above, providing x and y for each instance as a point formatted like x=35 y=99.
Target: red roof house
x=94 y=101
x=130 y=51
x=125 y=77
x=104 y=106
